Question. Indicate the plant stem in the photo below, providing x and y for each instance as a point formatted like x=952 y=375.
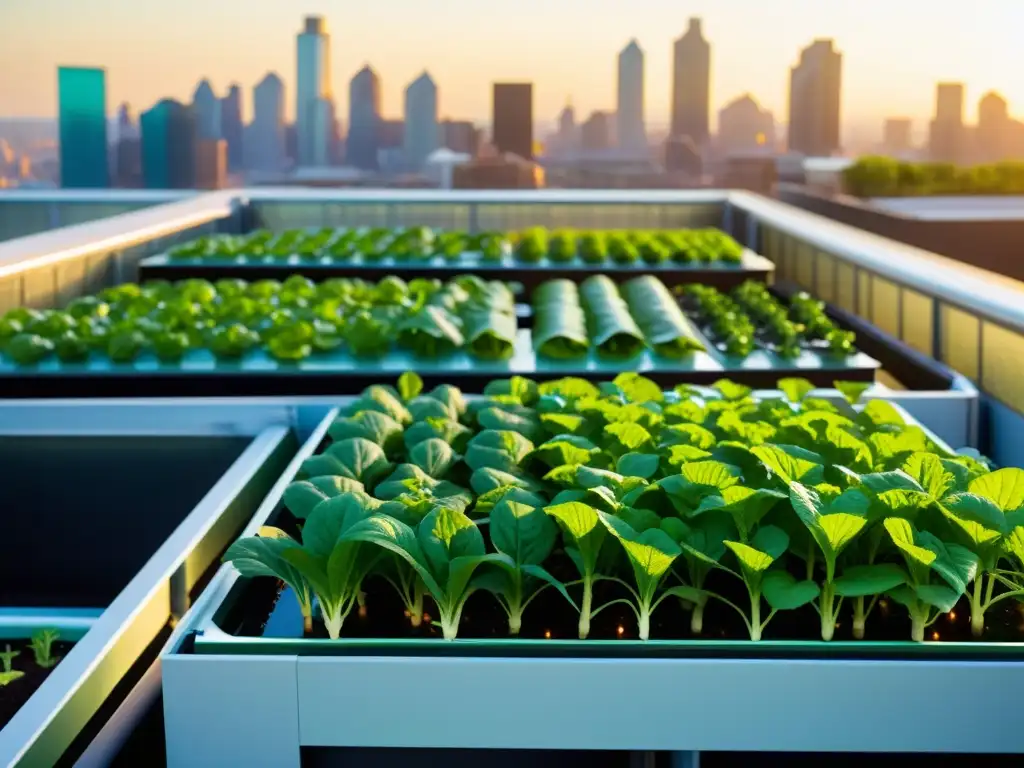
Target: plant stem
x=361 y=600
x=644 y=623
x=859 y=618
x=828 y=615
x=978 y=607
x=810 y=560
x=697 y=617
x=755 y=615
x=917 y=621
x=588 y=599
x=416 y=609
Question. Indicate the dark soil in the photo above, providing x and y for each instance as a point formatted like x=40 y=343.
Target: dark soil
x=267 y=608
x=16 y=693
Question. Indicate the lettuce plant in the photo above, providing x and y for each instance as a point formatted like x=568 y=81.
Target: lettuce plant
x=9 y=673
x=445 y=550
x=526 y=536
x=42 y=647
x=925 y=555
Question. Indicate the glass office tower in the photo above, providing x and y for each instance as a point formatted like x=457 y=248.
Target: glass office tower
x=82 y=95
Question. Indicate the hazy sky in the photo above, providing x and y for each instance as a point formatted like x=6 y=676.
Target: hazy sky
x=894 y=50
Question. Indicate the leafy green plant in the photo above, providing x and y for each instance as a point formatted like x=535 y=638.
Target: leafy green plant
x=42 y=647
x=9 y=673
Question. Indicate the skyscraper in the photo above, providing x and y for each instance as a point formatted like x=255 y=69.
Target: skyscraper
x=632 y=134
x=744 y=127
x=82 y=106
x=206 y=106
x=231 y=126
x=512 y=120
x=460 y=136
x=128 y=156
x=313 y=46
x=691 y=85
x=266 y=150
x=896 y=136
x=421 y=134
x=946 y=136
x=169 y=137
x=992 y=137
x=363 y=119
x=595 y=133
x=815 y=85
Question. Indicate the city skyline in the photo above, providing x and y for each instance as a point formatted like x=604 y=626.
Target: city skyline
x=949 y=47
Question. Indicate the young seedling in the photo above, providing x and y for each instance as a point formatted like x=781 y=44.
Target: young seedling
x=989 y=521
x=651 y=554
x=9 y=674
x=42 y=647
x=445 y=550
x=526 y=536
x=925 y=554
x=703 y=542
x=263 y=555
x=585 y=535
x=834 y=519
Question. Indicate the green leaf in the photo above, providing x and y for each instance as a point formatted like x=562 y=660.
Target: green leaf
x=433 y=456
x=688 y=434
x=487 y=479
x=523 y=532
x=683 y=454
x=795 y=389
x=583 y=527
x=752 y=560
x=560 y=423
x=747 y=506
x=977 y=518
x=359 y=459
x=638 y=389
x=834 y=525
x=785 y=593
x=865 y=580
x=500 y=419
x=263 y=555
x=790 y=465
x=852 y=390
x=409 y=385
x=379 y=398
x=643 y=465
x=374 y=426
x=730 y=390
x=522 y=389
x=1004 y=488
x=571 y=388
x=446 y=534
x=301 y=497
x=565 y=449
x=929 y=472
x=651 y=553
x=881 y=413
x=486 y=501
x=902 y=534
x=939 y=596
x=629 y=436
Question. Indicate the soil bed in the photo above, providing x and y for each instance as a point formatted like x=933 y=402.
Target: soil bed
x=16 y=693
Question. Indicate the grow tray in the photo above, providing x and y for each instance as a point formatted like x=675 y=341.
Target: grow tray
x=339 y=372
x=722 y=275
x=297 y=694
x=115 y=515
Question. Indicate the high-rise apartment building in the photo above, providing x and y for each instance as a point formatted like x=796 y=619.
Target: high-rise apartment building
x=460 y=136
x=265 y=149
x=815 y=87
x=82 y=108
x=896 y=136
x=743 y=126
x=169 y=137
x=211 y=164
x=128 y=152
x=632 y=133
x=691 y=85
x=596 y=132
x=232 y=127
x=512 y=119
x=313 y=86
x=946 y=136
x=363 y=119
x=421 y=129
x=206 y=107
x=992 y=136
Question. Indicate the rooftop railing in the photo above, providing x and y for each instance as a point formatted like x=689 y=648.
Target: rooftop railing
x=967 y=318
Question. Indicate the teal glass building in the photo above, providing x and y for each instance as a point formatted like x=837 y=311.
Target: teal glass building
x=169 y=134
x=82 y=97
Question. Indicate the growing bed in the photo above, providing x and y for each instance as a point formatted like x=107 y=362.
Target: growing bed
x=711 y=521
x=298 y=337
x=528 y=257
x=112 y=519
